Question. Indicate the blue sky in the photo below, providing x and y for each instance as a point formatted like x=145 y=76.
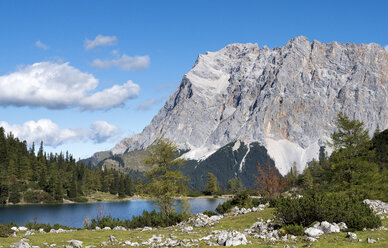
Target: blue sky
x=81 y=75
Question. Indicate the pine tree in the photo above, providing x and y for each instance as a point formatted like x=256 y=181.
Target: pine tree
x=121 y=187
x=59 y=191
x=212 y=187
x=129 y=186
x=72 y=193
x=3 y=193
x=139 y=187
x=14 y=194
x=307 y=179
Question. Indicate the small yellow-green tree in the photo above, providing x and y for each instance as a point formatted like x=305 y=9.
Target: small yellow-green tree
x=165 y=178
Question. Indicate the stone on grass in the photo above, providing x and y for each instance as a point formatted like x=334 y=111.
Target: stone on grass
x=29 y=233
x=75 y=243
x=370 y=241
x=327 y=227
x=342 y=226
x=120 y=228
x=21 y=244
x=112 y=239
x=351 y=235
x=155 y=239
x=231 y=238
x=187 y=229
x=310 y=239
x=146 y=228
x=313 y=232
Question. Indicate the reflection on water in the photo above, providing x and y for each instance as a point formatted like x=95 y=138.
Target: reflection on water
x=73 y=215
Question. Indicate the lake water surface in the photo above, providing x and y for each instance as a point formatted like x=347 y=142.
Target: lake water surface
x=73 y=215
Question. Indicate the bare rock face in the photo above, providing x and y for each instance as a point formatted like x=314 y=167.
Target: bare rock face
x=286 y=98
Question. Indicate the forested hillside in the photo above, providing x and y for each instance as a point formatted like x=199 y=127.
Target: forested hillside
x=33 y=177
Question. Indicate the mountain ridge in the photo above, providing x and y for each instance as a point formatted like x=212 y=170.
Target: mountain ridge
x=285 y=98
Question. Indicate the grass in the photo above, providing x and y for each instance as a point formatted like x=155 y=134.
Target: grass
x=238 y=223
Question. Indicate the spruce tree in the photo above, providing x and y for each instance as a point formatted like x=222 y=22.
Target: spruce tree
x=307 y=179
x=212 y=187
x=121 y=187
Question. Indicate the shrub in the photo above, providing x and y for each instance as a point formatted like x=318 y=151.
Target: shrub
x=14 y=197
x=294 y=229
x=241 y=200
x=80 y=199
x=35 y=196
x=46 y=227
x=209 y=213
x=152 y=219
x=5 y=231
x=334 y=207
x=257 y=201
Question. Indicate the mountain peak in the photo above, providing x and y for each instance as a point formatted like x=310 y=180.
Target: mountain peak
x=286 y=99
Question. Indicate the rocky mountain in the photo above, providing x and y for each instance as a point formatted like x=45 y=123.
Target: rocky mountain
x=286 y=99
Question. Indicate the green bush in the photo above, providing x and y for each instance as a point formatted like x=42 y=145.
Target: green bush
x=80 y=199
x=14 y=197
x=257 y=201
x=242 y=200
x=5 y=231
x=209 y=213
x=333 y=207
x=46 y=227
x=35 y=196
x=152 y=219
x=294 y=229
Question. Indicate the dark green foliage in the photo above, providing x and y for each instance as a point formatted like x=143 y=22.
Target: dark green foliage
x=3 y=193
x=334 y=207
x=224 y=163
x=80 y=199
x=151 y=219
x=14 y=197
x=46 y=227
x=41 y=177
x=35 y=196
x=209 y=213
x=235 y=186
x=379 y=144
x=353 y=166
x=242 y=200
x=5 y=231
x=294 y=229
x=196 y=193
x=211 y=187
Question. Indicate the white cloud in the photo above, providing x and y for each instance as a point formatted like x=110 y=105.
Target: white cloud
x=125 y=63
x=102 y=131
x=49 y=132
x=100 y=40
x=386 y=48
x=41 y=45
x=58 y=86
x=148 y=104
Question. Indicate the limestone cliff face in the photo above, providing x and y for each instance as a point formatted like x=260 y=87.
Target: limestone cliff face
x=286 y=98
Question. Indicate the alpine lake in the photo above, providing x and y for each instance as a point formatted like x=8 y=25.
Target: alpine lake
x=73 y=215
